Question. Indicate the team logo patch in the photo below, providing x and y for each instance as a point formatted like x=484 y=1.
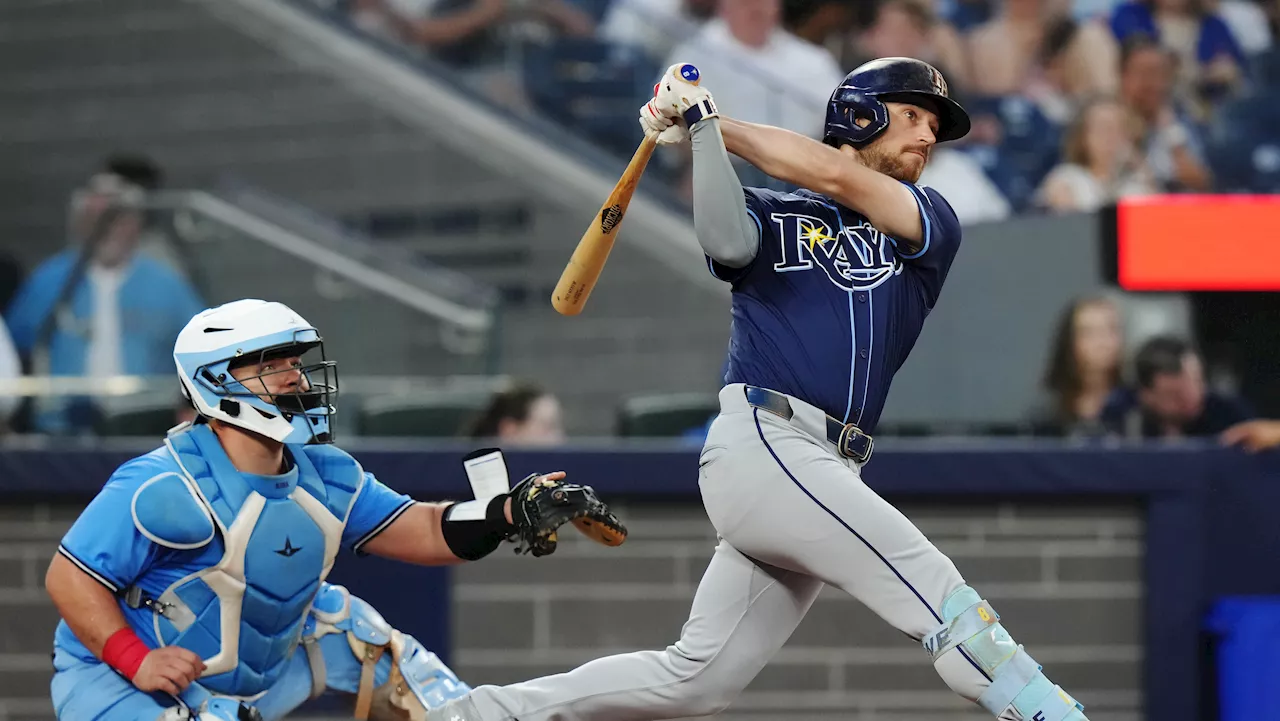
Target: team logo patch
x=939 y=84
x=609 y=218
x=855 y=258
x=690 y=73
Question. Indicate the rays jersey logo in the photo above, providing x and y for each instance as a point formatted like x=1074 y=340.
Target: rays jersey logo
x=855 y=258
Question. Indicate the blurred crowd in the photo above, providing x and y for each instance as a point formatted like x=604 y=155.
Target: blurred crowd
x=1076 y=102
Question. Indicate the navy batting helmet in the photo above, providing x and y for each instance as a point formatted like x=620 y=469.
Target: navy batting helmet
x=864 y=92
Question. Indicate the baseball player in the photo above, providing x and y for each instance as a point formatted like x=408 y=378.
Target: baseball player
x=193 y=585
x=830 y=290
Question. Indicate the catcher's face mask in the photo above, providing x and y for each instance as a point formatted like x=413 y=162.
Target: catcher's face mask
x=295 y=378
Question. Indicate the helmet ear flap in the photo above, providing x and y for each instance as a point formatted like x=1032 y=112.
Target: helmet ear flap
x=855 y=117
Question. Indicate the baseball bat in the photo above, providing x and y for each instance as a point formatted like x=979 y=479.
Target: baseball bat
x=587 y=262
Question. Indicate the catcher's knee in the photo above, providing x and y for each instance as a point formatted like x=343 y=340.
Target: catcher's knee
x=403 y=685
x=971 y=636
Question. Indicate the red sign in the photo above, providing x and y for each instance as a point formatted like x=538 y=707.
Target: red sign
x=1199 y=242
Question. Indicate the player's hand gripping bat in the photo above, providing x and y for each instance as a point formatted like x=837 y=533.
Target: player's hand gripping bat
x=586 y=263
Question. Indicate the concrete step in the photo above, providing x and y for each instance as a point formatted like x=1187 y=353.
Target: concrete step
x=195 y=110
x=173 y=33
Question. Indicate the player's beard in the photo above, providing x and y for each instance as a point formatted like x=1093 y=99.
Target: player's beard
x=898 y=164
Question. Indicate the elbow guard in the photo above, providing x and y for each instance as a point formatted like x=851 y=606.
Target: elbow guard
x=473 y=530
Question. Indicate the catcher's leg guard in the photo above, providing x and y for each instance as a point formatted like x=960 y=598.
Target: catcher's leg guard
x=973 y=628
x=403 y=685
x=215 y=709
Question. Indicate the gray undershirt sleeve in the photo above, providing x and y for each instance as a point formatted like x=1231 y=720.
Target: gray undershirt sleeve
x=725 y=231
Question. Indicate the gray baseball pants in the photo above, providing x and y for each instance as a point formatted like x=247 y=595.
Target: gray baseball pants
x=792 y=514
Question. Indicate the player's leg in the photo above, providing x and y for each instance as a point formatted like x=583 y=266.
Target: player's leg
x=742 y=614
x=821 y=519
x=91 y=691
x=349 y=648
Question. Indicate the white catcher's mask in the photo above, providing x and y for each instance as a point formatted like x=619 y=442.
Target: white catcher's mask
x=249 y=332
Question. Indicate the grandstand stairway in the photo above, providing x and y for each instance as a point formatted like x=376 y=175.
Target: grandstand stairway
x=207 y=102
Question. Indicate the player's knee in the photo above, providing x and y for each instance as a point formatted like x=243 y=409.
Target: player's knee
x=407 y=678
x=704 y=685
x=978 y=659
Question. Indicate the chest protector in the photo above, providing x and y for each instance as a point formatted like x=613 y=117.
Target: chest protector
x=269 y=543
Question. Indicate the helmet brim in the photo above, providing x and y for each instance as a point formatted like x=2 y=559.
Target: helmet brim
x=953 y=121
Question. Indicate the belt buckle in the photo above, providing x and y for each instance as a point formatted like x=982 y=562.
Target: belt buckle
x=854 y=443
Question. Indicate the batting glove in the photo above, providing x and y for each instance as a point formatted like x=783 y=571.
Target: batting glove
x=680 y=96
x=654 y=123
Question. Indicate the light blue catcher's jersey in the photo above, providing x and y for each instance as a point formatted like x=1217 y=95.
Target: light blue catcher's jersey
x=235 y=558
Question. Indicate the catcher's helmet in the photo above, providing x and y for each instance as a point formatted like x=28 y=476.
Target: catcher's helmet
x=865 y=90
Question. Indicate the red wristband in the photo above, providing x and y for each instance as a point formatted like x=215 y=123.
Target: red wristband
x=124 y=652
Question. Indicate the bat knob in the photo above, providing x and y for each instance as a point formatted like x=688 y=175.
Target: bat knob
x=690 y=74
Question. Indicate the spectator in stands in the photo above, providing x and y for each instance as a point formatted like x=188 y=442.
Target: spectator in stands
x=762 y=73
x=428 y=23
x=101 y=308
x=1248 y=22
x=525 y=414
x=1085 y=363
x=965 y=15
x=828 y=23
x=1171 y=399
x=1008 y=53
x=655 y=26
x=1075 y=64
x=1210 y=61
x=966 y=186
x=467 y=33
x=910 y=28
x=1253 y=436
x=10 y=370
x=1169 y=145
x=1100 y=162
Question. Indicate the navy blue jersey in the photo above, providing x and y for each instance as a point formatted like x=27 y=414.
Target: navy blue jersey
x=829 y=308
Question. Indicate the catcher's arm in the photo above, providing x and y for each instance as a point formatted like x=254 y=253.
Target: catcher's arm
x=422 y=535
x=437 y=534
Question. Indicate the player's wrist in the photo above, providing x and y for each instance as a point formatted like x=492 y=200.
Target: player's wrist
x=701 y=109
x=471 y=538
x=125 y=652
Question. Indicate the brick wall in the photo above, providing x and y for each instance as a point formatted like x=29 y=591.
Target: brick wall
x=1066 y=580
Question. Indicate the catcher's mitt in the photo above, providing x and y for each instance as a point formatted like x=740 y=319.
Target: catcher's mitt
x=540 y=506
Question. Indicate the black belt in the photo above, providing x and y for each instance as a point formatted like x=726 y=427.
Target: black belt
x=849 y=439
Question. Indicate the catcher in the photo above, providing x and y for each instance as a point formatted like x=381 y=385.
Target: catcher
x=193 y=585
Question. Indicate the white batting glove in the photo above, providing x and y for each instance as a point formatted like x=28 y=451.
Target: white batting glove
x=654 y=123
x=679 y=95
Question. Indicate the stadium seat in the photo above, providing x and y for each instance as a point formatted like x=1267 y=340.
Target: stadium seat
x=594 y=86
x=1243 y=149
x=1266 y=69
x=151 y=417
x=426 y=415
x=666 y=415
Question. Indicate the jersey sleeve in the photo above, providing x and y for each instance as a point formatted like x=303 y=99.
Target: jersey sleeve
x=759 y=201
x=376 y=507
x=104 y=542
x=942 y=235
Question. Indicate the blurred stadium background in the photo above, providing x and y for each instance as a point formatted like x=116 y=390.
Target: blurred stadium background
x=411 y=176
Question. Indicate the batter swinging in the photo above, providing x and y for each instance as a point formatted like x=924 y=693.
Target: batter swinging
x=830 y=291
